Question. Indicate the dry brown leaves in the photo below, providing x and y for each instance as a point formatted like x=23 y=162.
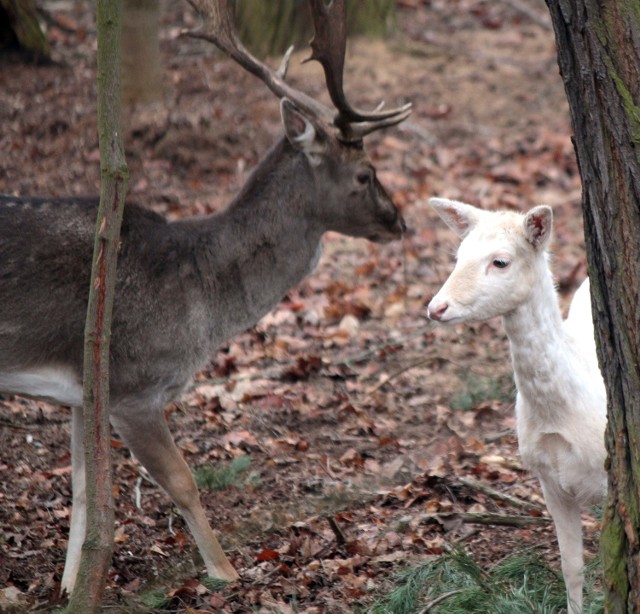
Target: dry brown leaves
x=347 y=401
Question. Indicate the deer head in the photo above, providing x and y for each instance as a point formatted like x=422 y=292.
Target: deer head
x=354 y=201
x=497 y=264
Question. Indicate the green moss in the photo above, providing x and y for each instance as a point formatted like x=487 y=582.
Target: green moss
x=631 y=109
x=630 y=14
x=613 y=552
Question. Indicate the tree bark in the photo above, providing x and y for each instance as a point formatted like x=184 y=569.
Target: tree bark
x=98 y=546
x=599 y=56
x=269 y=28
x=141 y=66
x=19 y=25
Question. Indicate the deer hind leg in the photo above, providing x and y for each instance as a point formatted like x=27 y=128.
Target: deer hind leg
x=565 y=512
x=147 y=436
x=78 y=524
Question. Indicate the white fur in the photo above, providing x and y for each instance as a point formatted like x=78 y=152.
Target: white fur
x=561 y=401
x=52 y=383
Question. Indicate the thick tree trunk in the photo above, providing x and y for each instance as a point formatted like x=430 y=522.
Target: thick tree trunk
x=599 y=56
x=98 y=544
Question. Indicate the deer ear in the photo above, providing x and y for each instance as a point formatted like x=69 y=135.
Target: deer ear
x=460 y=217
x=538 y=223
x=301 y=132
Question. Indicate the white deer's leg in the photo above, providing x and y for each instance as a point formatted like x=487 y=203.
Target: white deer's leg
x=147 y=436
x=78 y=522
x=565 y=512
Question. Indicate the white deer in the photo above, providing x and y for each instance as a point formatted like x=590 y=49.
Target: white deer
x=502 y=270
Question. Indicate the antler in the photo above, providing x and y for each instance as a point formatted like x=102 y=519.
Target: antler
x=329 y=46
x=219 y=28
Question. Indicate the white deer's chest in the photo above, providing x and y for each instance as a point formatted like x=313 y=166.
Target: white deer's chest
x=564 y=443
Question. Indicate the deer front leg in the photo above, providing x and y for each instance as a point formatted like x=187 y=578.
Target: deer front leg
x=565 y=512
x=147 y=436
x=78 y=524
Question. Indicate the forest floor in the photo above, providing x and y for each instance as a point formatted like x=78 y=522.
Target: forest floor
x=362 y=422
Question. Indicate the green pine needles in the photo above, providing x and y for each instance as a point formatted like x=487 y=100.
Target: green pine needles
x=454 y=583
x=224 y=476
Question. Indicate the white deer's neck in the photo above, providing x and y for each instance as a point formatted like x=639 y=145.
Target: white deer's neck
x=538 y=345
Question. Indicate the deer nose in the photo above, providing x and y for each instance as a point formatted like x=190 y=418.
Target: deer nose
x=436 y=311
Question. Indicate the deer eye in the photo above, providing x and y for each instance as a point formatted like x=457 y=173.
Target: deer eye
x=500 y=263
x=365 y=177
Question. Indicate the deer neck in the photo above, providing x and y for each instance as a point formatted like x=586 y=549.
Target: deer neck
x=262 y=245
x=538 y=346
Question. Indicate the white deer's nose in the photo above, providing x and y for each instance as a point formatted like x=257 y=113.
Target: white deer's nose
x=436 y=310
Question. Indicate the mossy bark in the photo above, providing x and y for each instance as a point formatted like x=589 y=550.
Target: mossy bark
x=98 y=544
x=269 y=28
x=599 y=55
x=20 y=26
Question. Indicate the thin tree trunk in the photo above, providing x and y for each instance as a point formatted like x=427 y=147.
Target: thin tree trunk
x=98 y=546
x=599 y=57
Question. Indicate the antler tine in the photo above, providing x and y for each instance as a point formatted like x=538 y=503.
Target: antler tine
x=328 y=47
x=356 y=131
x=219 y=28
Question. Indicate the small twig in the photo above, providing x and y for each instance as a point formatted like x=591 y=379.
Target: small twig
x=31 y=427
x=137 y=495
x=18 y=427
x=498 y=436
x=468 y=535
x=438 y=599
x=400 y=371
x=438 y=357
x=340 y=538
x=486 y=518
x=405 y=274
x=328 y=471
x=496 y=494
x=262 y=580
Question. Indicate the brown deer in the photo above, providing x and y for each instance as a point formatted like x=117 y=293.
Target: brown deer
x=184 y=287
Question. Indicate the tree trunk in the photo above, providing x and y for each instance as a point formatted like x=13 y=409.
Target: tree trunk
x=19 y=27
x=98 y=544
x=269 y=28
x=141 y=66
x=599 y=57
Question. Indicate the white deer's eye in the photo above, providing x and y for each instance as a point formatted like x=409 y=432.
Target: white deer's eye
x=500 y=263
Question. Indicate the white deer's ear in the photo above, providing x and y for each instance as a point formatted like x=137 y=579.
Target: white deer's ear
x=538 y=223
x=460 y=217
x=301 y=131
